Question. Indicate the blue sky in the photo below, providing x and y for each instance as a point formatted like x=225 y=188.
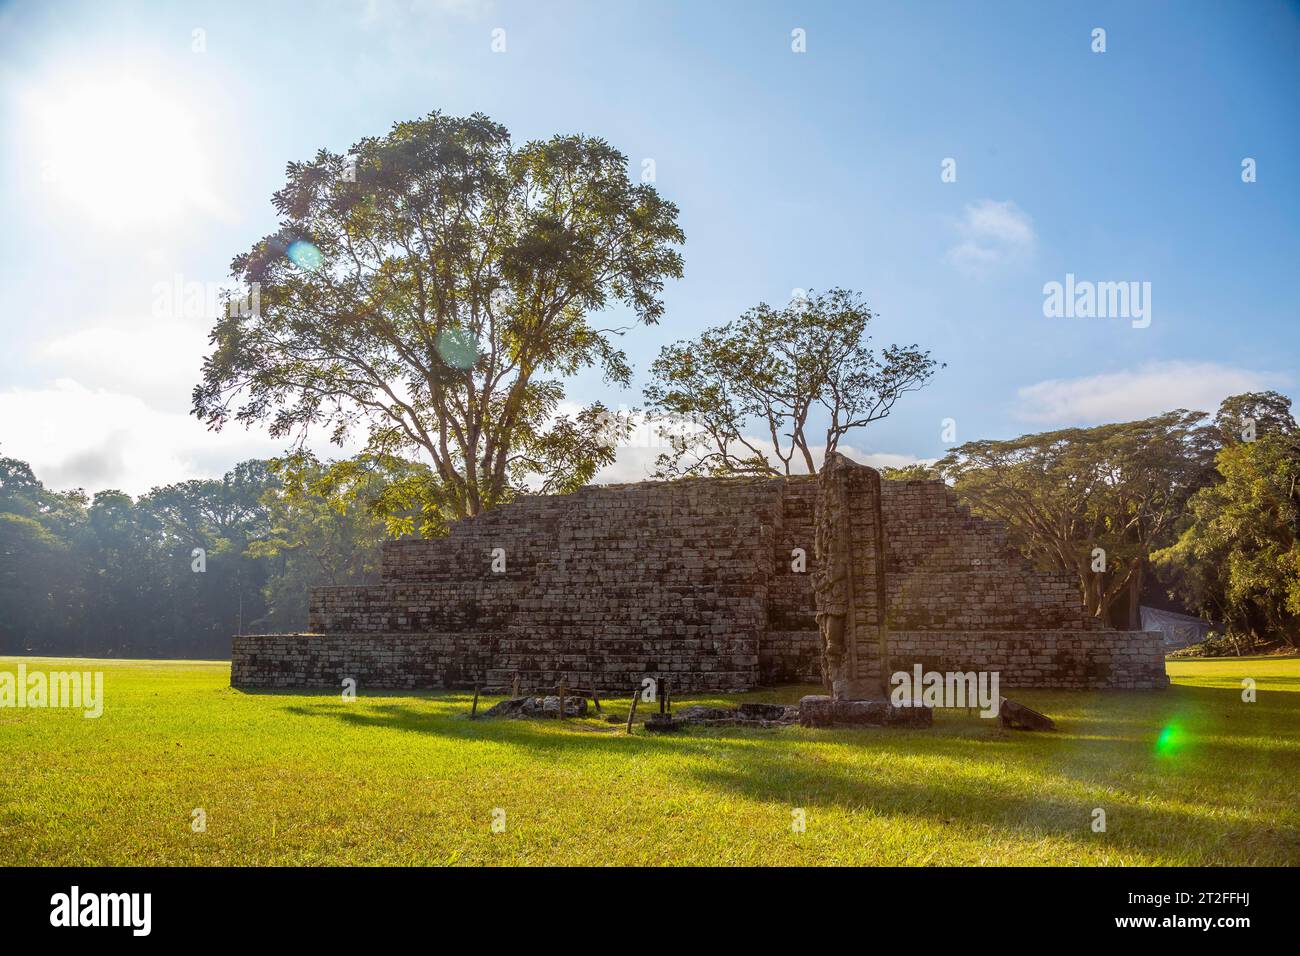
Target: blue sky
x=128 y=159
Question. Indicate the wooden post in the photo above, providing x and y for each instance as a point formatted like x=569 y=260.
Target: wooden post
x=561 y=700
x=636 y=695
x=594 y=699
x=473 y=711
x=514 y=687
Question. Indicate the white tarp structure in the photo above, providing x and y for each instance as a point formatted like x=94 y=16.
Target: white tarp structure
x=1179 y=630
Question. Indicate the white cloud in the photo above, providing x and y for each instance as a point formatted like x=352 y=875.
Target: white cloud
x=637 y=463
x=991 y=235
x=1138 y=393
x=74 y=436
x=631 y=464
x=97 y=437
x=160 y=362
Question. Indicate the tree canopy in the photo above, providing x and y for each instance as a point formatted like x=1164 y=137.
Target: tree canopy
x=1237 y=556
x=434 y=287
x=744 y=397
x=1063 y=494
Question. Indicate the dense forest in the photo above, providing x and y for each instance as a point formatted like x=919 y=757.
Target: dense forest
x=176 y=572
x=1201 y=510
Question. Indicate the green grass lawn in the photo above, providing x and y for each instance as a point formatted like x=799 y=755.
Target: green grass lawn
x=1190 y=775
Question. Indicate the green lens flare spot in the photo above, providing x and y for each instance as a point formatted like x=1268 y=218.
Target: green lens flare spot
x=457 y=348
x=1171 y=741
x=305 y=255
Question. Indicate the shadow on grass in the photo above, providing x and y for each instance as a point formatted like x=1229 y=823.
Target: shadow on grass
x=1094 y=716
x=335 y=693
x=1181 y=805
x=952 y=735
x=1139 y=823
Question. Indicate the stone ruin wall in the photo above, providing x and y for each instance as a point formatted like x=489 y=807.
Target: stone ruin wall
x=690 y=580
x=601 y=588
x=963 y=598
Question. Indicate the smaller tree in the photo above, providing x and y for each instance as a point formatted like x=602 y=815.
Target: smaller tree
x=777 y=372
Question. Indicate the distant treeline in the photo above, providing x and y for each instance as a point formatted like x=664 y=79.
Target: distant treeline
x=178 y=571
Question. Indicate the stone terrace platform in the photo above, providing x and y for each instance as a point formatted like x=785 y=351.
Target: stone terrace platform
x=697 y=581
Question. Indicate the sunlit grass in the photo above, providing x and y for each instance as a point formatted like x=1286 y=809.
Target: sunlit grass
x=1190 y=775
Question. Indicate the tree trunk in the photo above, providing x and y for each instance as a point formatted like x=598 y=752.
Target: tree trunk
x=1091 y=591
x=1135 y=598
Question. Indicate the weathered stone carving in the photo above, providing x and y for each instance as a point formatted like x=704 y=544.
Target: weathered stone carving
x=848 y=581
x=832 y=582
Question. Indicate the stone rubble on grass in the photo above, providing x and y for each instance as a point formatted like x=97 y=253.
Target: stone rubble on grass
x=538 y=707
x=1017 y=716
x=744 y=715
x=821 y=711
x=813 y=711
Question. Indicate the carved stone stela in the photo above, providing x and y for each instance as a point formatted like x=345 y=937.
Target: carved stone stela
x=848 y=581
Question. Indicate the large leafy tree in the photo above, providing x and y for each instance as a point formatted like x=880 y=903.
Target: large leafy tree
x=746 y=397
x=434 y=287
x=199 y=512
x=1063 y=494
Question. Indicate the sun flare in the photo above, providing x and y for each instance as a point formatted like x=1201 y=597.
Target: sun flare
x=121 y=153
